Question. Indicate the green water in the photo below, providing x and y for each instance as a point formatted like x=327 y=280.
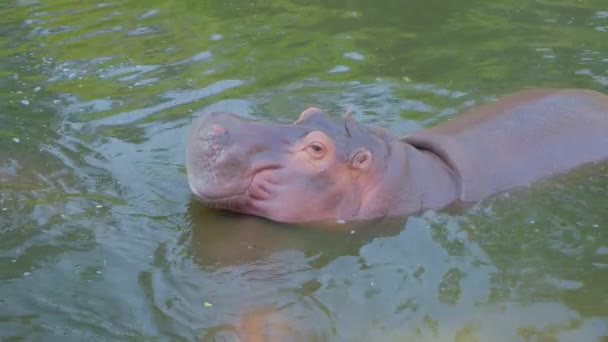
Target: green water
x=101 y=240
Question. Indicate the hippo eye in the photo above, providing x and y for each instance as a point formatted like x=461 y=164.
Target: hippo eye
x=316 y=150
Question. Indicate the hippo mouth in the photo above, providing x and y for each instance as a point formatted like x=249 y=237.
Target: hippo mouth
x=257 y=187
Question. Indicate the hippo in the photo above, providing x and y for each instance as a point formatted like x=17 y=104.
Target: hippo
x=322 y=167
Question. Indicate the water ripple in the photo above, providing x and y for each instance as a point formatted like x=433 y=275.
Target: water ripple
x=101 y=239
x=177 y=98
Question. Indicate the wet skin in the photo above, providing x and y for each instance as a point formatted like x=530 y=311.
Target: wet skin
x=321 y=168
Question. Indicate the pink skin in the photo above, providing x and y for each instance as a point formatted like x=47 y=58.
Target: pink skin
x=217 y=129
x=292 y=173
x=313 y=157
x=327 y=169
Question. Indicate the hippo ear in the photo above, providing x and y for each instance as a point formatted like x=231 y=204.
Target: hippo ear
x=362 y=160
x=348 y=115
x=308 y=113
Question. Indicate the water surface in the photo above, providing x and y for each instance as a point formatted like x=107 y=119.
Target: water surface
x=100 y=238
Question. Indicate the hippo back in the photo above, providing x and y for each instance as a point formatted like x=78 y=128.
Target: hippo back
x=521 y=138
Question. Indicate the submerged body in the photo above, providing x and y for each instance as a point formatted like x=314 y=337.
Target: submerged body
x=321 y=168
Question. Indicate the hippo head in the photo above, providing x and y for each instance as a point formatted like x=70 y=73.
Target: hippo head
x=317 y=168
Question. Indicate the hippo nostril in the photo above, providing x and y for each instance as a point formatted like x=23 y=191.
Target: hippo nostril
x=217 y=129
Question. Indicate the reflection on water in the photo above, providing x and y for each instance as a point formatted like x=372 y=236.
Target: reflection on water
x=101 y=239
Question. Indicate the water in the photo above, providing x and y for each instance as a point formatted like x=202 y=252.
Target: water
x=101 y=240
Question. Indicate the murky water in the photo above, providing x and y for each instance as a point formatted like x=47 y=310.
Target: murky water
x=101 y=240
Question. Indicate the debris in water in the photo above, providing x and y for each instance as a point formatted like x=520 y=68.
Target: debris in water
x=16 y=140
x=340 y=221
x=353 y=231
x=26 y=274
x=25 y=102
x=207 y=304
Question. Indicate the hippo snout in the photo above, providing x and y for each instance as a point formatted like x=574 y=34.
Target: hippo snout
x=216 y=127
x=219 y=122
x=215 y=164
x=208 y=142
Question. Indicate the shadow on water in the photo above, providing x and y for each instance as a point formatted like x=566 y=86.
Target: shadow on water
x=221 y=238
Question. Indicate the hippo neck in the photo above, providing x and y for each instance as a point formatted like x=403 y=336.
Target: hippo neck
x=425 y=180
x=455 y=157
x=430 y=180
